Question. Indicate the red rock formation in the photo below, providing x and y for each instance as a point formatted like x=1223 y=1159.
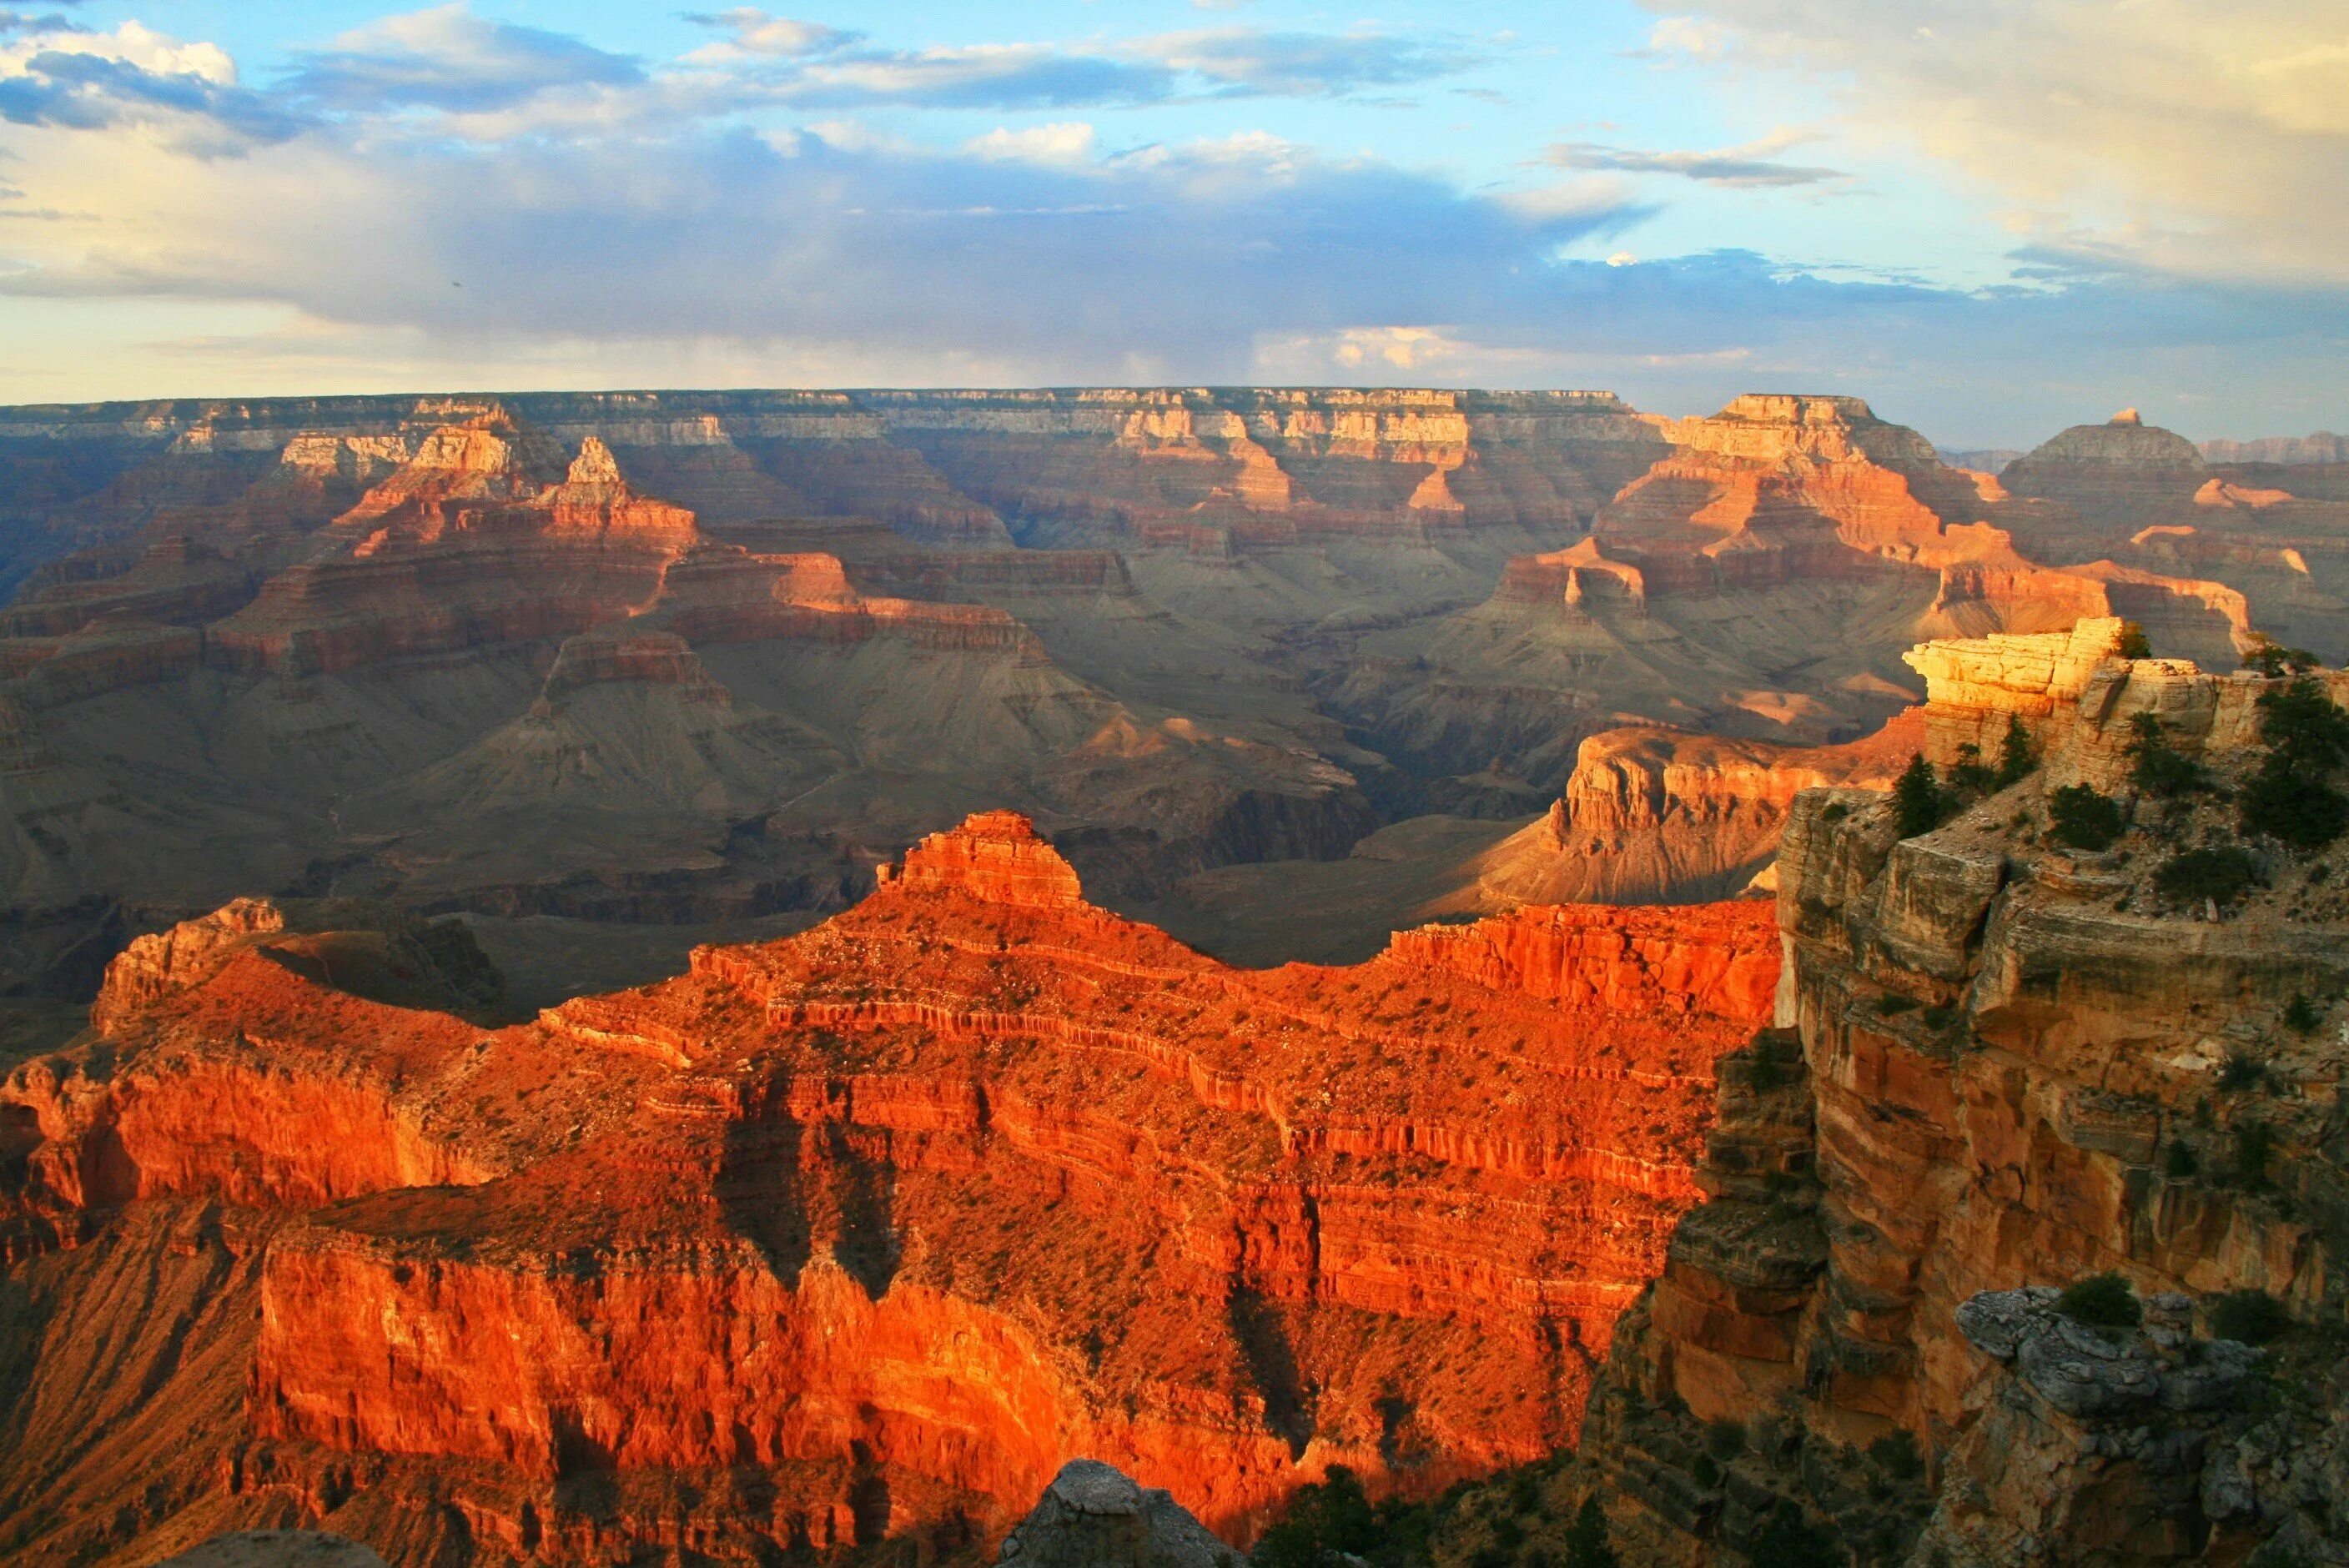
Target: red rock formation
x=966 y=1182
x=1663 y=815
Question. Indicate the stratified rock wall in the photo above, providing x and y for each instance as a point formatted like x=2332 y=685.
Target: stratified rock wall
x=1998 y=1064
x=969 y=1181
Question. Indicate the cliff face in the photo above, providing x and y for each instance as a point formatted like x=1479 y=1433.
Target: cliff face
x=2000 y=1065
x=900 y=1214
x=1758 y=582
x=1655 y=815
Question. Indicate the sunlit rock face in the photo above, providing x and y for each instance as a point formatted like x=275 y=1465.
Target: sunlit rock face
x=902 y=1213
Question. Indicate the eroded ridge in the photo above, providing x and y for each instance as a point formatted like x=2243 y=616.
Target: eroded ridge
x=969 y=1179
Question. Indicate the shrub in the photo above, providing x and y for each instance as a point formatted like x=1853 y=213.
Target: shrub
x=2221 y=875
x=1917 y=802
x=2271 y=658
x=2254 y=1144
x=2300 y=1014
x=2133 y=644
x=2294 y=804
x=2178 y=1162
x=1724 y=1440
x=2015 y=757
x=1786 y=1541
x=1330 y=1516
x=2157 y=768
x=2307 y=736
x=2253 y=1317
x=2081 y=819
x=2101 y=1301
x=1892 y=1002
x=1970 y=777
x=1587 y=1545
x=1707 y=1473
x=1896 y=1454
x=1507 y=1533
x=2241 y=1071
x=2300 y=720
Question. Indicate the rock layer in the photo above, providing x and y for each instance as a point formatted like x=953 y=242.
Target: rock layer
x=1998 y=1064
x=861 y=1204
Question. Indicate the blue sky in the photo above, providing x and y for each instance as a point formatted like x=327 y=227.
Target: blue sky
x=1991 y=218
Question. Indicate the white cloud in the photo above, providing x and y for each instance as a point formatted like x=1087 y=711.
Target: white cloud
x=755 y=32
x=1063 y=142
x=2197 y=138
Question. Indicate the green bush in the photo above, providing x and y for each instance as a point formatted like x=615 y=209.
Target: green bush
x=2299 y=1015
x=2253 y=1317
x=1918 y=803
x=2271 y=658
x=2178 y=1162
x=2080 y=818
x=1330 y=1516
x=2300 y=719
x=2254 y=1146
x=2133 y=644
x=1724 y=1440
x=2016 y=756
x=2307 y=737
x=2241 y=1071
x=2223 y=875
x=2101 y=1301
x=2293 y=803
x=1587 y=1545
x=1786 y=1541
x=2157 y=768
x=1970 y=776
x=1897 y=1455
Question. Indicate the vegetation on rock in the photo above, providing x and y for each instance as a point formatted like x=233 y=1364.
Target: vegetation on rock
x=2101 y=1301
x=2081 y=819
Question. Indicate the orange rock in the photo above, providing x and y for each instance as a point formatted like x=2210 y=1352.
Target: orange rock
x=971 y=1180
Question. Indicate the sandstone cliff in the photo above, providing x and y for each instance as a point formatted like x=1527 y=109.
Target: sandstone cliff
x=2000 y=1065
x=885 y=1222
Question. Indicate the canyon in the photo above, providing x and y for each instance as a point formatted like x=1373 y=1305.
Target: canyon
x=722 y=976
x=633 y=670
x=831 y=1238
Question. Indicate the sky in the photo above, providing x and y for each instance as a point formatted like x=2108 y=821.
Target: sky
x=1991 y=218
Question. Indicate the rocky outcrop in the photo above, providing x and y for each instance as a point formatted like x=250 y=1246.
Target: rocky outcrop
x=1655 y=815
x=2077 y=700
x=903 y=1213
x=1093 y=1516
x=2000 y=1065
x=2090 y=1438
x=276 y=1549
x=995 y=856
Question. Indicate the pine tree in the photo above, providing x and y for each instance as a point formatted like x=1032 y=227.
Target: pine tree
x=1917 y=799
x=2015 y=757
